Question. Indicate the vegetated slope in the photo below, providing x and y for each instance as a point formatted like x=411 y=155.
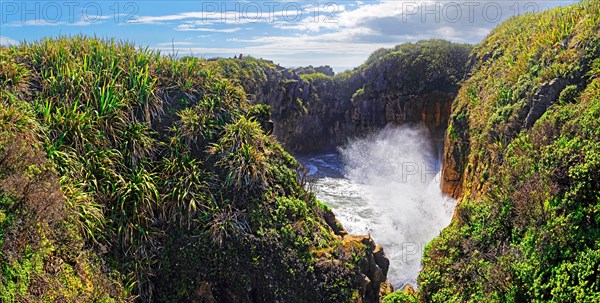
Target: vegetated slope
x=523 y=155
x=43 y=229
x=312 y=110
x=124 y=173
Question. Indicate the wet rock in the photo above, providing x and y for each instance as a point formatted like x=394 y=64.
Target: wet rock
x=409 y=290
x=335 y=225
x=381 y=259
x=373 y=268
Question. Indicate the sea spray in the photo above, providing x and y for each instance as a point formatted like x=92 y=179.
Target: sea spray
x=387 y=185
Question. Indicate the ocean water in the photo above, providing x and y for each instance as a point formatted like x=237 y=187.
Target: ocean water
x=386 y=185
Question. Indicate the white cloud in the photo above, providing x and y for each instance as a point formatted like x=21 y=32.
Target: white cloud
x=190 y=27
x=37 y=22
x=342 y=35
x=338 y=17
x=82 y=22
x=373 y=22
x=164 y=18
x=461 y=21
x=175 y=43
x=226 y=17
x=335 y=49
x=7 y=41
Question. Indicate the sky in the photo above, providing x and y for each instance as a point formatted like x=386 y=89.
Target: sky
x=339 y=33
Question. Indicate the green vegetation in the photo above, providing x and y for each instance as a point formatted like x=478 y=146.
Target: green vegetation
x=415 y=68
x=326 y=70
x=127 y=174
x=408 y=68
x=42 y=231
x=314 y=77
x=527 y=226
x=400 y=297
x=313 y=109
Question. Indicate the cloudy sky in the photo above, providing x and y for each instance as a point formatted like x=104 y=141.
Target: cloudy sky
x=339 y=33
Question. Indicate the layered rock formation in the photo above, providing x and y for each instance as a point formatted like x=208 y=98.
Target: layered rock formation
x=412 y=83
x=311 y=111
x=373 y=267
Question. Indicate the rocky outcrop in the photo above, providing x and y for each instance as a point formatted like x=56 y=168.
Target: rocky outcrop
x=335 y=225
x=454 y=157
x=371 y=274
x=373 y=268
x=546 y=96
x=431 y=109
x=313 y=112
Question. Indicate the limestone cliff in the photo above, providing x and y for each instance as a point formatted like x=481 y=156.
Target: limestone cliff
x=410 y=83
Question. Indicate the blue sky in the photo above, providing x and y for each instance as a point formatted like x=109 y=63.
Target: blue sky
x=339 y=33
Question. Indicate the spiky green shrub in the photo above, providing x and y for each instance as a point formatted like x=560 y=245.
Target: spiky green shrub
x=165 y=177
x=43 y=256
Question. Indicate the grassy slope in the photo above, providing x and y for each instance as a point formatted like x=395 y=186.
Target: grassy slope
x=43 y=255
x=527 y=226
x=164 y=185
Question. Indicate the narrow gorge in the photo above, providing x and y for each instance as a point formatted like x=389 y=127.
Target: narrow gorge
x=390 y=190
x=372 y=139
x=433 y=172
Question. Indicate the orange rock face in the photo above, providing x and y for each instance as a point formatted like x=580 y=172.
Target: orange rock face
x=451 y=178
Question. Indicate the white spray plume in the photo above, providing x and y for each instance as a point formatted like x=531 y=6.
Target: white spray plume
x=391 y=190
